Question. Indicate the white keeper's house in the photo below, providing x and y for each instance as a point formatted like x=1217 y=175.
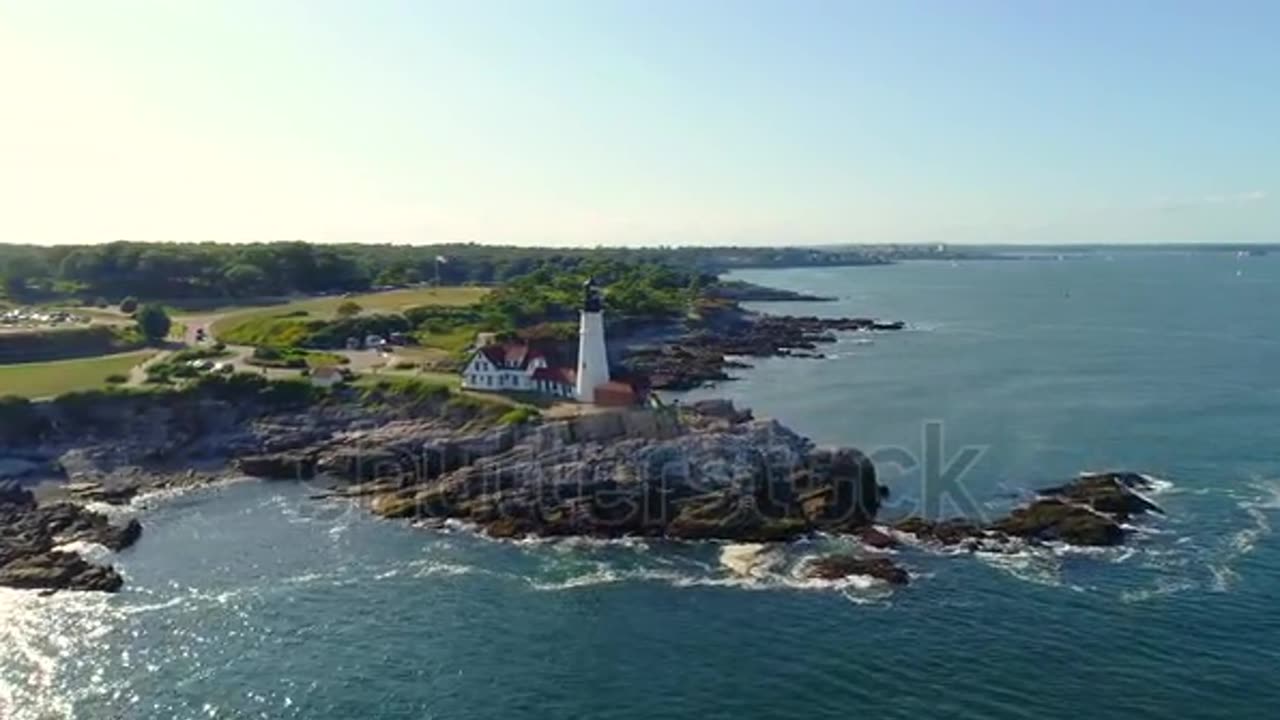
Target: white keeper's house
x=518 y=366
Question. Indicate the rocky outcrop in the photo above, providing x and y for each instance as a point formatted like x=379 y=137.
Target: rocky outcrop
x=1113 y=493
x=54 y=571
x=647 y=472
x=299 y=465
x=1055 y=520
x=953 y=531
x=703 y=354
x=30 y=535
x=111 y=494
x=839 y=566
x=1086 y=511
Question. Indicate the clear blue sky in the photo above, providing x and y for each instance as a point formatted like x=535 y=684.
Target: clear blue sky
x=596 y=122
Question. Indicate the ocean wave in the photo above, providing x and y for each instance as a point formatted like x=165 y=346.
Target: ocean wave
x=443 y=568
x=750 y=559
x=740 y=566
x=1158 y=485
x=1039 y=566
x=90 y=551
x=1265 y=498
x=1163 y=587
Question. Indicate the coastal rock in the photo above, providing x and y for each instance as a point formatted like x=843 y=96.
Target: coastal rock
x=875 y=538
x=705 y=352
x=838 y=566
x=278 y=466
x=59 y=571
x=953 y=531
x=720 y=408
x=29 y=534
x=1055 y=520
x=649 y=472
x=1111 y=493
x=118 y=494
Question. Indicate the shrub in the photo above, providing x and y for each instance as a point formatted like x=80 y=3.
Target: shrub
x=129 y=305
x=153 y=323
x=117 y=379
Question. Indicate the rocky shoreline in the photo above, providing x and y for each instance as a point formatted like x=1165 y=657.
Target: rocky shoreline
x=708 y=350
x=31 y=535
x=703 y=471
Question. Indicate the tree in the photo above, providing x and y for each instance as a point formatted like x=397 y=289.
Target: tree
x=153 y=323
x=349 y=308
x=243 y=279
x=129 y=305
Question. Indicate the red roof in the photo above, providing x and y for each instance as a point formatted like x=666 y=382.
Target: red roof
x=510 y=354
x=562 y=375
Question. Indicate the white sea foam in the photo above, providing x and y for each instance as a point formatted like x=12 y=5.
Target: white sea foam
x=93 y=552
x=752 y=560
x=1162 y=588
x=1034 y=565
x=444 y=568
x=1158 y=485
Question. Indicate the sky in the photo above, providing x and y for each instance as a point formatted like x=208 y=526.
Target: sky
x=598 y=122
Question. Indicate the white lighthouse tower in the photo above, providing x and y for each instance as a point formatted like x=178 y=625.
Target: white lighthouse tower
x=593 y=358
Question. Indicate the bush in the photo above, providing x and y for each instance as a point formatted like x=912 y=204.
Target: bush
x=348 y=308
x=153 y=323
x=117 y=379
x=129 y=305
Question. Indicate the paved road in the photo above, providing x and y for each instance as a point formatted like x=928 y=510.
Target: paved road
x=358 y=361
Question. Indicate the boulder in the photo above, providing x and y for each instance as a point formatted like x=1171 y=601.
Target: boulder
x=875 y=538
x=1110 y=493
x=837 y=566
x=953 y=531
x=1050 y=520
x=59 y=571
x=720 y=408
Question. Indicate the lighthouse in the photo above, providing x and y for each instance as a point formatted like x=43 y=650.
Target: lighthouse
x=593 y=358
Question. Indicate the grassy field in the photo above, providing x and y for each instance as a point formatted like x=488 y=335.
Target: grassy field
x=390 y=301
x=35 y=380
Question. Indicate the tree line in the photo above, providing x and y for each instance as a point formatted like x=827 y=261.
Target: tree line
x=176 y=271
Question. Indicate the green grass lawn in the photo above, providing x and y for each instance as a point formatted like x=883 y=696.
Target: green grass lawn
x=33 y=380
x=323 y=308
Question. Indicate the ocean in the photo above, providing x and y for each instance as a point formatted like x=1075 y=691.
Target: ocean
x=251 y=601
